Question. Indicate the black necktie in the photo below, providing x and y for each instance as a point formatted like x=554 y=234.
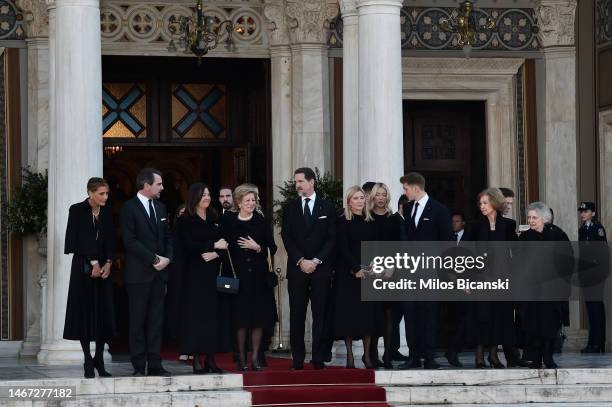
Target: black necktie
x=413 y=217
x=151 y=212
x=307 y=213
x=456 y=237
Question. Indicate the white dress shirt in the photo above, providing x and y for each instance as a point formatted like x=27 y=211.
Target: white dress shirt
x=422 y=202
x=460 y=235
x=311 y=203
x=145 y=202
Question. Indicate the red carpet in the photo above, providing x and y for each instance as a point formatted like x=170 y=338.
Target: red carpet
x=331 y=387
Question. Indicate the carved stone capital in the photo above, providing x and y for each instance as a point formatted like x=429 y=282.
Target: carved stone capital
x=37 y=17
x=274 y=11
x=556 y=22
x=348 y=7
x=308 y=20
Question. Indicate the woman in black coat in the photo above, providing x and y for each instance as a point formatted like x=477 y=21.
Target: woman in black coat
x=355 y=318
x=200 y=240
x=388 y=224
x=542 y=320
x=249 y=236
x=491 y=323
x=90 y=236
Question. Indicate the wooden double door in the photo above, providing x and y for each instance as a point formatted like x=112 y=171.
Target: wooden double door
x=445 y=141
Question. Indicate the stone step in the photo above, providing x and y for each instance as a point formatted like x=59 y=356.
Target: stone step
x=488 y=377
x=500 y=394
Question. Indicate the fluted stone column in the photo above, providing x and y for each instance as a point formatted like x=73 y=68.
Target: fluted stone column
x=350 y=94
x=75 y=150
x=381 y=152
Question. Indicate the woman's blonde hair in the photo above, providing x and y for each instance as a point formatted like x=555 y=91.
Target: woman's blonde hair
x=496 y=198
x=241 y=191
x=348 y=214
x=375 y=188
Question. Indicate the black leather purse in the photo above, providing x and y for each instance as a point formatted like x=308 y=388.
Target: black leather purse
x=229 y=285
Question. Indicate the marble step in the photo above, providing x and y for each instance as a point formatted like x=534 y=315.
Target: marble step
x=217 y=398
x=500 y=394
x=488 y=377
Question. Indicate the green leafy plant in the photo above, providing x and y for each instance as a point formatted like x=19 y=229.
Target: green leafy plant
x=326 y=187
x=26 y=211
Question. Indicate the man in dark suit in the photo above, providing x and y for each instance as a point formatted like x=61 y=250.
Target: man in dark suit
x=309 y=236
x=425 y=220
x=148 y=251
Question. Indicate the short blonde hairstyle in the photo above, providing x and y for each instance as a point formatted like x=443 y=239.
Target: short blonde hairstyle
x=241 y=191
x=375 y=188
x=496 y=198
x=348 y=214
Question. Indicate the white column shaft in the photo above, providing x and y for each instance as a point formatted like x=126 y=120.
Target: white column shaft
x=381 y=153
x=75 y=148
x=350 y=101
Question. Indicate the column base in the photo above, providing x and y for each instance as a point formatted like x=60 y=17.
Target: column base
x=576 y=340
x=64 y=352
x=30 y=348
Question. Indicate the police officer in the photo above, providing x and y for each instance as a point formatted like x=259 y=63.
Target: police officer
x=593 y=268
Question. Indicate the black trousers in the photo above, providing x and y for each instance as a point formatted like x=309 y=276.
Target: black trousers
x=396 y=317
x=315 y=288
x=421 y=319
x=597 y=323
x=146 y=309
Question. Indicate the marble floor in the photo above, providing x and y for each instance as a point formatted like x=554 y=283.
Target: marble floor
x=24 y=369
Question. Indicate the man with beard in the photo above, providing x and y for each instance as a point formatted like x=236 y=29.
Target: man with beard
x=225 y=199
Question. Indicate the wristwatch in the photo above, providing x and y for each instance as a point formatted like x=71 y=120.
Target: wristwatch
x=317 y=261
x=157 y=260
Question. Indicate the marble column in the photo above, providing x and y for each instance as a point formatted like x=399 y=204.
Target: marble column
x=556 y=94
x=310 y=106
x=282 y=165
x=350 y=94
x=75 y=150
x=381 y=152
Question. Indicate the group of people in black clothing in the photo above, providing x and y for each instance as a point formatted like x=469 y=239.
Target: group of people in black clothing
x=324 y=267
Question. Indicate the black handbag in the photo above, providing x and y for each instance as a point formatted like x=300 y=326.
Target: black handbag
x=271 y=277
x=87 y=267
x=229 y=285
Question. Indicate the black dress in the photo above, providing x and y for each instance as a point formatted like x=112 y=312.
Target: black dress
x=89 y=310
x=389 y=230
x=199 y=330
x=254 y=306
x=492 y=323
x=543 y=319
x=354 y=317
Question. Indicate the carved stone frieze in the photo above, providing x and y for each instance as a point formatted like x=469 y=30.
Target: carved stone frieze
x=274 y=12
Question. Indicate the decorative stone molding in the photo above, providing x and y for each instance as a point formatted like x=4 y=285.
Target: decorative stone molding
x=309 y=20
x=556 y=22
x=516 y=29
x=142 y=27
x=603 y=22
x=274 y=11
x=37 y=17
x=12 y=24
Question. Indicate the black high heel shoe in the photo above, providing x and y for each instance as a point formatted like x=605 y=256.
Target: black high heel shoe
x=368 y=365
x=98 y=364
x=496 y=364
x=196 y=363
x=242 y=367
x=387 y=363
x=88 y=367
x=211 y=367
x=255 y=366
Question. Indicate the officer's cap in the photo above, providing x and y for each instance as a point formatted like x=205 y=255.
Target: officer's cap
x=585 y=206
